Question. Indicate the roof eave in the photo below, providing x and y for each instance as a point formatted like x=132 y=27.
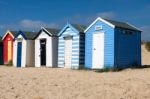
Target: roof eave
x=46 y=30
x=135 y=27
x=99 y=19
x=7 y=32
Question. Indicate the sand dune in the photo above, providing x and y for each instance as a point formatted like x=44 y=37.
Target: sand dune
x=54 y=83
x=145 y=56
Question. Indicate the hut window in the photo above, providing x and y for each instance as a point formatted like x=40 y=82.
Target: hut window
x=127 y=32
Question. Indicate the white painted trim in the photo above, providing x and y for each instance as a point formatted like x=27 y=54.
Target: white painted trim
x=46 y=30
x=99 y=19
x=8 y=32
x=134 y=26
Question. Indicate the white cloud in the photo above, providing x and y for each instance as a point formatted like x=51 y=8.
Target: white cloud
x=109 y=14
x=145 y=33
x=32 y=24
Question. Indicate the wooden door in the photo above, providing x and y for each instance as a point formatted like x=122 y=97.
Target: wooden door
x=43 y=52
x=19 y=54
x=9 y=49
x=98 y=51
x=68 y=52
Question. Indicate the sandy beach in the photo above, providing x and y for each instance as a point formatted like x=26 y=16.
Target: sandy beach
x=57 y=83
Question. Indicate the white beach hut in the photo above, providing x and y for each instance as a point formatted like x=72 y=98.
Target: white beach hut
x=24 y=49
x=46 y=47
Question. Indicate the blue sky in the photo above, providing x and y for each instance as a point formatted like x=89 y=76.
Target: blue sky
x=32 y=14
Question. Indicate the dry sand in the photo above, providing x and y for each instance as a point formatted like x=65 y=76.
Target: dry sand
x=145 y=56
x=56 y=83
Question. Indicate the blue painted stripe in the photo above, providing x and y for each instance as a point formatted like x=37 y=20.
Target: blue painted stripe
x=75 y=43
x=75 y=62
x=75 y=47
x=75 y=51
x=75 y=59
x=61 y=49
x=76 y=39
x=61 y=53
x=60 y=61
x=61 y=58
x=61 y=45
x=75 y=54
x=61 y=39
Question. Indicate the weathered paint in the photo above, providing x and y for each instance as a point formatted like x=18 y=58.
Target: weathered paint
x=77 y=54
x=51 y=50
x=8 y=47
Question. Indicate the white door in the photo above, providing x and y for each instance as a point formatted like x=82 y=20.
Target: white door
x=68 y=52
x=98 y=51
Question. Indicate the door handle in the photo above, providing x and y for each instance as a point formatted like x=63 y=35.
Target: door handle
x=94 y=49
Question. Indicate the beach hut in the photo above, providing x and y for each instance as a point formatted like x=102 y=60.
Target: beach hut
x=1 y=51
x=8 y=46
x=24 y=49
x=111 y=44
x=71 y=46
x=46 y=47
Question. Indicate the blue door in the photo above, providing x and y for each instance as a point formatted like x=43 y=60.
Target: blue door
x=19 y=51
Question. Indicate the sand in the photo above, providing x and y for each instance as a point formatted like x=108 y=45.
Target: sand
x=145 y=56
x=56 y=83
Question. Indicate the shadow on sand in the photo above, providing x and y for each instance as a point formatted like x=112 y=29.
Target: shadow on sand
x=121 y=69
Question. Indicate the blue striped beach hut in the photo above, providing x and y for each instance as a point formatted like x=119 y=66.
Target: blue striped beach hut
x=71 y=46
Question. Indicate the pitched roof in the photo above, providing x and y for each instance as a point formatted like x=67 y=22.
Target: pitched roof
x=114 y=24
x=79 y=27
x=14 y=32
x=53 y=31
x=29 y=35
x=123 y=25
